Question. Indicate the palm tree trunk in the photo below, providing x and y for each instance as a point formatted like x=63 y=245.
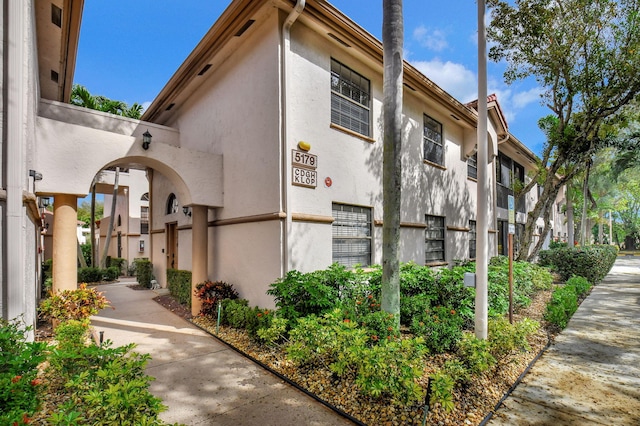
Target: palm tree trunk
x=103 y=259
x=392 y=38
x=93 y=224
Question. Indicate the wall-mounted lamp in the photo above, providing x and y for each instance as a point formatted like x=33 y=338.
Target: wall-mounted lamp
x=146 y=140
x=44 y=202
x=187 y=211
x=35 y=175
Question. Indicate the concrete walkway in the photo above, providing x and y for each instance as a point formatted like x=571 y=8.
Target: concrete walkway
x=591 y=374
x=202 y=381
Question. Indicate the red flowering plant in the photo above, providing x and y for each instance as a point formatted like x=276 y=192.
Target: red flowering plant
x=211 y=292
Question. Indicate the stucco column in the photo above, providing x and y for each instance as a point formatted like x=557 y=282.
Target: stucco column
x=65 y=245
x=199 y=255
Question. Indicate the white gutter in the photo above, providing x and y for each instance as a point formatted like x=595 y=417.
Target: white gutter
x=284 y=114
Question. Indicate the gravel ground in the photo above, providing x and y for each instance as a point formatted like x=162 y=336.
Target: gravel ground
x=472 y=403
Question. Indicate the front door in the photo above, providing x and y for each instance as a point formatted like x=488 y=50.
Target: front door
x=172 y=245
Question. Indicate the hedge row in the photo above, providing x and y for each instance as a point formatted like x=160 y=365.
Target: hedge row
x=591 y=262
x=179 y=284
x=94 y=275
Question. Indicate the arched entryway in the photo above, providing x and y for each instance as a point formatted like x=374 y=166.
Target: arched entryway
x=75 y=144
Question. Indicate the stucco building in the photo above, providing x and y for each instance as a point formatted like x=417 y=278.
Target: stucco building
x=265 y=152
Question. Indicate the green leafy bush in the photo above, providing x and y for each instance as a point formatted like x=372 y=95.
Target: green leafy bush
x=563 y=304
x=441 y=328
x=591 y=262
x=416 y=279
x=411 y=306
x=90 y=275
x=109 y=387
x=506 y=338
x=210 y=293
x=76 y=304
x=475 y=353
x=580 y=284
x=442 y=390
x=390 y=368
x=298 y=295
x=275 y=333
x=144 y=271
x=179 y=284
x=19 y=382
x=235 y=312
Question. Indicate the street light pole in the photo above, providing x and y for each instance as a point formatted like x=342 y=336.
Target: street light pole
x=482 y=258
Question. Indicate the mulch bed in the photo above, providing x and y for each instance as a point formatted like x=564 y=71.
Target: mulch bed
x=472 y=404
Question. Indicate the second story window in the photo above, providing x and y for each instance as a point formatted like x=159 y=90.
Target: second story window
x=144 y=220
x=350 y=99
x=433 y=144
x=472 y=166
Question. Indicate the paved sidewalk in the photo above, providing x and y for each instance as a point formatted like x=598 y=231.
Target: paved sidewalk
x=591 y=374
x=202 y=381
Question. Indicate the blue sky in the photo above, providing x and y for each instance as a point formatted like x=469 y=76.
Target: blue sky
x=129 y=49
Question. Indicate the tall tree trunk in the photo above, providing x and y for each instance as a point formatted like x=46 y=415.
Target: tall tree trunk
x=107 y=243
x=584 y=221
x=93 y=223
x=392 y=37
x=571 y=238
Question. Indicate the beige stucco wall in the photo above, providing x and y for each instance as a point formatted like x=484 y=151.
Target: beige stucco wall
x=355 y=164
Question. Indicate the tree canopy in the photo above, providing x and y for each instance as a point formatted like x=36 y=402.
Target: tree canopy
x=80 y=96
x=584 y=55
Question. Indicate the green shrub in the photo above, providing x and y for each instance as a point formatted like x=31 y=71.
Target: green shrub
x=47 y=268
x=144 y=272
x=416 y=279
x=111 y=273
x=411 y=306
x=390 y=368
x=274 y=333
x=235 y=312
x=563 y=304
x=210 y=293
x=449 y=290
x=475 y=353
x=506 y=338
x=298 y=295
x=179 y=284
x=541 y=277
x=110 y=387
x=19 y=385
x=86 y=253
x=591 y=262
x=119 y=263
x=441 y=328
x=580 y=284
x=90 y=275
x=442 y=390
x=78 y=304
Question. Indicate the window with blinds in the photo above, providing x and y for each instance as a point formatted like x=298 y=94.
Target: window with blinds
x=472 y=239
x=351 y=232
x=350 y=99
x=144 y=220
x=434 y=239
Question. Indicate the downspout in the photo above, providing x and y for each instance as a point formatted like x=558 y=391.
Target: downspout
x=284 y=108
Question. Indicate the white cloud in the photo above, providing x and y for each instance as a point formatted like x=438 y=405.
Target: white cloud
x=522 y=99
x=432 y=39
x=454 y=78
